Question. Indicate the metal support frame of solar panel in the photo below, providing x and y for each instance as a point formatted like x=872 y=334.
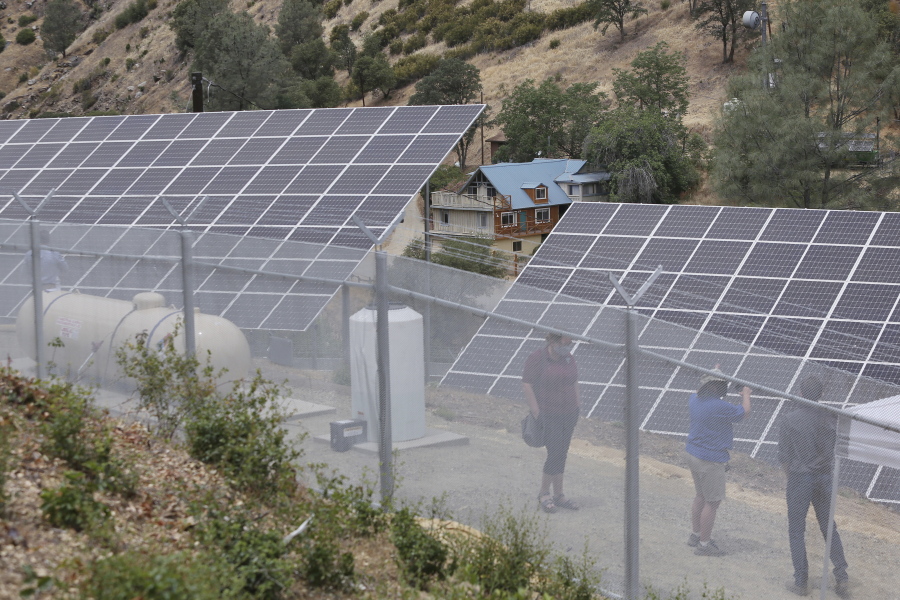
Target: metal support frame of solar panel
x=821 y=286
x=287 y=176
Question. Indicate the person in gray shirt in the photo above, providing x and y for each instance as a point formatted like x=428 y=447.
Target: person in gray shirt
x=806 y=442
x=53 y=265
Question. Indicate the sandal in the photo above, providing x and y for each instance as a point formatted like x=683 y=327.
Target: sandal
x=563 y=502
x=546 y=503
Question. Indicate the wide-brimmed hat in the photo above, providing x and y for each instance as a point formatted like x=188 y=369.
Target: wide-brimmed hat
x=709 y=378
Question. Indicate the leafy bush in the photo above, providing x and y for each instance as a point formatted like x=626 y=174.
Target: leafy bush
x=129 y=64
x=72 y=432
x=133 y=13
x=554 y=44
x=563 y=18
x=156 y=577
x=25 y=37
x=26 y=20
x=170 y=384
x=415 y=42
x=2 y=44
x=242 y=434
x=412 y=68
x=420 y=556
x=331 y=8
x=72 y=505
x=27 y=394
x=358 y=21
x=255 y=556
x=396 y=47
x=508 y=555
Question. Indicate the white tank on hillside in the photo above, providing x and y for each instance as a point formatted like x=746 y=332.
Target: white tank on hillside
x=407 y=368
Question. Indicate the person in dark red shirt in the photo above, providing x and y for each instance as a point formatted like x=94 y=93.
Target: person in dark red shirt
x=550 y=383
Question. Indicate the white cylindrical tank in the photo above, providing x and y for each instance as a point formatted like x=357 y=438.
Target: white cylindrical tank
x=92 y=328
x=407 y=368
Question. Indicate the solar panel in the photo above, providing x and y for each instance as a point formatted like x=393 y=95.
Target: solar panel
x=294 y=175
x=791 y=288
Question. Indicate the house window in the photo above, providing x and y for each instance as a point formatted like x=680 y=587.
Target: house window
x=482 y=220
x=507 y=219
x=445 y=216
x=473 y=190
x=517 y=246
x=573 y=190
x=540 y=193
x=589 y=189
x=542 y=215
x=491 y=192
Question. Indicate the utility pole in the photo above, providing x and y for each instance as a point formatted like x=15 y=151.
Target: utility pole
x=197 y=92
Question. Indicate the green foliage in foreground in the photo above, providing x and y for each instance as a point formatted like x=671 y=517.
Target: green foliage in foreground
x=237 y=546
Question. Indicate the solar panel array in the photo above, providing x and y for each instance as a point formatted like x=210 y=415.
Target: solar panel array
x=283 y=176
x=791 y=288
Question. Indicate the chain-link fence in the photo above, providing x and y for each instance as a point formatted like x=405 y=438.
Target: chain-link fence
x=459 y=347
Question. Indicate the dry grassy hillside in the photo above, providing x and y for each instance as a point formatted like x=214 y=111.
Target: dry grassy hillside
x=158 y=78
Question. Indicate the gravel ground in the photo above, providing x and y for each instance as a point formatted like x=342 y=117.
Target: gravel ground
x=496 y=469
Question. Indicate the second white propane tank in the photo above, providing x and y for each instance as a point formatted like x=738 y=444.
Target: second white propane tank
x=407 y=372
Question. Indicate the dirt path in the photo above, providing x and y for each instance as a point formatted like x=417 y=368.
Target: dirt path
x=496 y=469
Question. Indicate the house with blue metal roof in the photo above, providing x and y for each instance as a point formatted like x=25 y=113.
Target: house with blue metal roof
x=517 y=204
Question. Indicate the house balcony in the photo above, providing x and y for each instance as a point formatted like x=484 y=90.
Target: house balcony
x=528 y=229
x=457 y=229
x=470 y=201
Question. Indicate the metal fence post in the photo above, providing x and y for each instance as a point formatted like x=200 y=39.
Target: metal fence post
x=345 y=324
x=37 y=284
x=382 y=332
x=632 y=449
x=38 y=294
x=632 y=438
x=426 y=312
x=187 y=283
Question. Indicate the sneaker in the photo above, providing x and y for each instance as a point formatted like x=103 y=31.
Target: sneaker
x=694 y=540
x=800 y=590
x=710 y=549
x=842 y=588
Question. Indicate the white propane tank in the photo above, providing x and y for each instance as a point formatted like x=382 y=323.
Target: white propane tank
x=407 y=368
x=92 y=328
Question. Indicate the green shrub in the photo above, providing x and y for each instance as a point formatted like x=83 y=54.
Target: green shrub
x=331 y=8
x=106 y=61
x=73 y=432
x=554 y=44
x=23 y=77
x=396 y=47
x=358 y=21
x=242 y=435
x=2 y=44
x=72 y=505
x=25 y=37
x=665 y=4
x=563 y=18
x=414 y=67
x=570 y=579
x=324 y=565
x=145 y=31
x=156 y=577
x=415 y=42
x=420 y=556
x=508 y=555
x=129 y=63
x=170 y=384
x=133 y=13
x=254 y=556
x=26 y=20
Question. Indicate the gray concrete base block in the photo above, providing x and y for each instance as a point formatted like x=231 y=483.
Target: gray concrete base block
x=434 y=438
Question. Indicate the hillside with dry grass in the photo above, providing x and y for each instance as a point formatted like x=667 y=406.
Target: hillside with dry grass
x=138 y=69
